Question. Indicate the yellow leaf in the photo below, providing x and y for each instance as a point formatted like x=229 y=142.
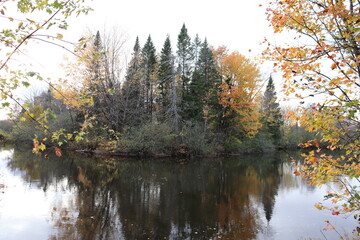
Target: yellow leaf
x=59 y=36
x=42 y=147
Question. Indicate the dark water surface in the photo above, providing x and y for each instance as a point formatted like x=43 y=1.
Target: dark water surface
x=82 y=197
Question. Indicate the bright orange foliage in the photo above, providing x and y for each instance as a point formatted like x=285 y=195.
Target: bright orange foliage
x=239 y=89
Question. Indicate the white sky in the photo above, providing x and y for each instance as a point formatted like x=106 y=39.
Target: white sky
x=238 y=24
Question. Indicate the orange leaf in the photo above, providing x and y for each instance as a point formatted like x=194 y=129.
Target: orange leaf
x=333 y=66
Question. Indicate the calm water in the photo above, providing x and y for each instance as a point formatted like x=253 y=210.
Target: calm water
x=82 y=197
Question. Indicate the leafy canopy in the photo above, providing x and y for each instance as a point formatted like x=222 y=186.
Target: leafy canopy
x=324 y=61
x=32 y=22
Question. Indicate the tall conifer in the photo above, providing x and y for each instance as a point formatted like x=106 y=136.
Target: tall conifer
x=184 y=60
x=203 y=87
x=271 y=111
x=165 y=74
x=149 y=67
x=132 y=100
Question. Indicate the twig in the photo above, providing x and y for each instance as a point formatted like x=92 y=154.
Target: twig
x=30 y=35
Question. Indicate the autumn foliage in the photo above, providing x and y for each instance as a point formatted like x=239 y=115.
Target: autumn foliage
x=323 y=63
x=239 y=91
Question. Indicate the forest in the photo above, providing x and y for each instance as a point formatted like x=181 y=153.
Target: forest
x=192 y=99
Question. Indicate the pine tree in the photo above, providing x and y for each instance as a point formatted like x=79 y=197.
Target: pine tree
x=149 y=67
x=271 y=111
x=184 y=59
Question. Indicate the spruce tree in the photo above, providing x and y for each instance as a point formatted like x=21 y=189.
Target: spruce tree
x=95 y=70
x=149 y=67
x=207 y=67
x=136 y=48
x=132 y=100
x=164 y=75
x=196 y=46
x=173 y=112
x=271 y=111
x=203 y=87
x=184 y=59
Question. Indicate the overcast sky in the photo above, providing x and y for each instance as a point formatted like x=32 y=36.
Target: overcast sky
x=238 y=24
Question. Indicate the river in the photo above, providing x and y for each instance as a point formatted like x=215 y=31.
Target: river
x=85 y=197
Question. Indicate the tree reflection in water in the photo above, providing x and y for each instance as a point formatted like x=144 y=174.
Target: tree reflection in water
x=105 y=198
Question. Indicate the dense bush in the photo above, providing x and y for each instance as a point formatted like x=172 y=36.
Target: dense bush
x=5 y=130
x=292 y=136
x=262 y=142
x=151 y=138
x=199 y=141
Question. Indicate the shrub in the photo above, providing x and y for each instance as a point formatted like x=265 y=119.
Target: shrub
x=197 y=140
x=151 y=138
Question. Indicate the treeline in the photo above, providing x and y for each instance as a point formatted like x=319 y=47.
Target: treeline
x=190 y=100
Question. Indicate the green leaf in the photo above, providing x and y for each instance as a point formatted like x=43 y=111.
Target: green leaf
x=78 y=138
x=25 y=84
x=352 y=113
x=31 y=74
x=5 y=104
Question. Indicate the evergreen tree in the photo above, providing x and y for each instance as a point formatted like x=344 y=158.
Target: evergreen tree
x=207 y=68
x=136 y=48
x=203 y=87
x=95 y=71
x=164 y=75
x=168 y=92
x=271 y=112
x=196 y=46
x=174 y=110
x=149 y=68
x=185 y=59
x=132 y=100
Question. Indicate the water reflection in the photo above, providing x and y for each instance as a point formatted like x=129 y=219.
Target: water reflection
x=104 y=198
